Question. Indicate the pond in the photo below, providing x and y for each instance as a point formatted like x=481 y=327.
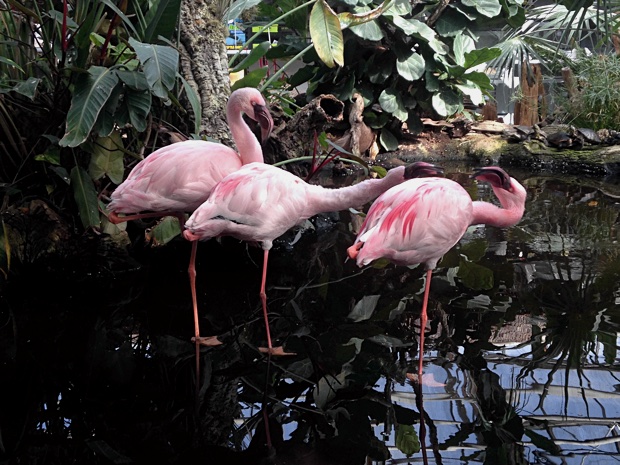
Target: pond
x=521 y=355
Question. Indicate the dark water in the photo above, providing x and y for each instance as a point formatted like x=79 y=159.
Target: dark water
x=521 y=351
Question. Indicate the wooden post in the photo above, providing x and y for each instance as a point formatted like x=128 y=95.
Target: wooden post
x=526 y=112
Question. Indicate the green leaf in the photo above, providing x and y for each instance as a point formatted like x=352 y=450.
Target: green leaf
x=164 y=231
x=462 y=45
x=162 y=19
x=380 y=170
x=388 y=140
x=488 y=8
x=412 y=67
x=160 y=65
x=251 y=79
x=391 y=102
x=326 y=34
x=368 y=31
x=325 y=390
x=135 y=80
x=27 y=88
x=9 y=62
x=138 y=106
x=407 y=440
x=364 y=309
x=256 y=54
x=473 y=91
x=194 y=101
x=92 y=90
x=418 y=29
x=480 y=79
x=475 y=249
x=107 y=158
x=474 y=276
x=447 y=103
x=85 y=197
x=478 y=57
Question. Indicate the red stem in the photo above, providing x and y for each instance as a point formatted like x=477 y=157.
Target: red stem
x=65 y=13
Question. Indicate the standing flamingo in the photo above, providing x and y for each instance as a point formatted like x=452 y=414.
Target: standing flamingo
x=260 y=202
x=420 y=220
x=178 y=178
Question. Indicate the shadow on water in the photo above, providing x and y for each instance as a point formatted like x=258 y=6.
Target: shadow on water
x=522 y=348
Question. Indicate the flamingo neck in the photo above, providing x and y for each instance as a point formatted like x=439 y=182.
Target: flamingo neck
x=247 y=145
x=508 y=215
x=327 y=200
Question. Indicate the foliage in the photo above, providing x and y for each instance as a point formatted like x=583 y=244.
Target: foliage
x=596 y=101
x=406 y=60
x=77 y=91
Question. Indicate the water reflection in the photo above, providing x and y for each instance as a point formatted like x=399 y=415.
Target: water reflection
x=522 y=350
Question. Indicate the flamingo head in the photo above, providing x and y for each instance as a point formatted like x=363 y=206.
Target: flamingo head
x=495 y=176
x=421 y=169
x=263 y=117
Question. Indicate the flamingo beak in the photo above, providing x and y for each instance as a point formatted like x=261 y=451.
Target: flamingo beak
x=494 y=175
x=263 y=117
x=421 y=169
x=354 y=250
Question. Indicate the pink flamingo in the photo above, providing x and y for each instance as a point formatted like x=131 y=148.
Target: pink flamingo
x=178 y=178
x=420 y=220
x=260 y=202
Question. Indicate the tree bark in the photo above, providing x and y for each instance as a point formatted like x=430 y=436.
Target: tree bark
x=204 y=64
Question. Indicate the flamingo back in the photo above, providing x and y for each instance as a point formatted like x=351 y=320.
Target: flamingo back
x=178 y=177
x=417 y=221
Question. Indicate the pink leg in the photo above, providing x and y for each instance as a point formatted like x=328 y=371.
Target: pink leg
x=263 y=298
x=192 y=283
x=423 y=320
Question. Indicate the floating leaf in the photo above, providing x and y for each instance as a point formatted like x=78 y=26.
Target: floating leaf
x=475 y=276
x=407 y=440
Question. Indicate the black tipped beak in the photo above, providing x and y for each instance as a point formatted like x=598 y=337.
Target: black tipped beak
x=494 y=175
x=263 y=117
x=421 y=169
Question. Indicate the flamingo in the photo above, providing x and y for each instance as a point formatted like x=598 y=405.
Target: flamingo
x=420 y=220
x=178 y=178
x=259 y=203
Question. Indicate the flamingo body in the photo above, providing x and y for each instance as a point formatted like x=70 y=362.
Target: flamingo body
x=420 y=220
x=180 y=177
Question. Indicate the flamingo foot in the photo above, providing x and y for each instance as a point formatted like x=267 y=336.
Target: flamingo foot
x=208 y=341
x=276 y=351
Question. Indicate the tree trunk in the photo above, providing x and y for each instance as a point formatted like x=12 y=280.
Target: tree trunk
x=204 y=64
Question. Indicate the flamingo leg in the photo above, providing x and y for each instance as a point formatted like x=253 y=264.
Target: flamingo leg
x=423 y=320
x=115 y=219
x=191 y=271
x=263 y=298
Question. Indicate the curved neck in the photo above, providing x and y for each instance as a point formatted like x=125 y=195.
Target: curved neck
x=509 y=215
x=330 y=200
x=247 y=145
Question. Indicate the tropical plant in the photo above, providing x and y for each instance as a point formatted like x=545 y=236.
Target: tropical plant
x=411 y=60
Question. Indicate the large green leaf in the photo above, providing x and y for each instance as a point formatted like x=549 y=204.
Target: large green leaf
x=252 y=79
x=135 y=80
x=480 y=56
x=326 y=34
x=418 y=29
x=92 y=90
x=473 y=91
x=488 y=8
x=368 y=31
x=412 y=67
x=160 y=65
x=107 y=158
x=85 y=197
x=256 y=54
x=162 y=19
x=475 y=276
x=388 y=140
x=194 y=101
x=364 y=309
